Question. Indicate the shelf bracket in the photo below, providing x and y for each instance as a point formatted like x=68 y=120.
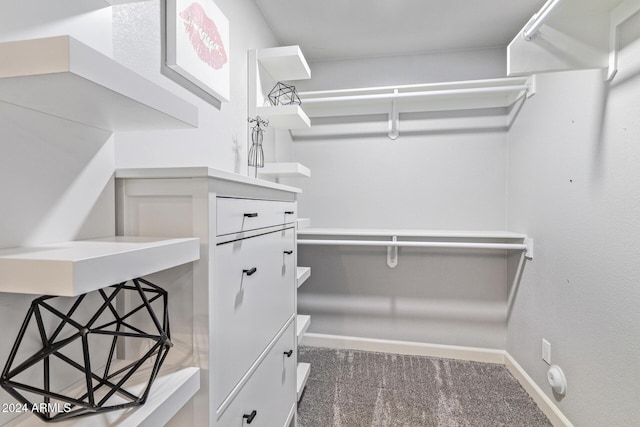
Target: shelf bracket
x=617 y=17
x=394 y=118
x=528 y=253
x=531 y=86
x=392 y=253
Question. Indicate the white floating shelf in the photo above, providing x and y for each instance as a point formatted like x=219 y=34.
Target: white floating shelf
x=171 y=390
x=284 y=63
x=302 y=273
x=64 y=78
x=302 y=377
x=285 y=116
x=303 y=223
x=77 y=267
x=284 y=170
x=302 y=325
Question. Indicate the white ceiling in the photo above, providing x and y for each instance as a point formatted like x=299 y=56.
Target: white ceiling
x=327 y=29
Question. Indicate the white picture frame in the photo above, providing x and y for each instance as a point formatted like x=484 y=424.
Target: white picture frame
x=198 y=45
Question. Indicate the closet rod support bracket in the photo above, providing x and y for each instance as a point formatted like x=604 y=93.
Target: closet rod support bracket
x=528 y=253
x=531 y=86
x=392 y=253
x=394 y=118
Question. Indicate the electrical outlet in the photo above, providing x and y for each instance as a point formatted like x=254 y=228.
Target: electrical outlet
x=546 y=351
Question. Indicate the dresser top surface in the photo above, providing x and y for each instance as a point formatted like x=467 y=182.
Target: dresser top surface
x=200 y=172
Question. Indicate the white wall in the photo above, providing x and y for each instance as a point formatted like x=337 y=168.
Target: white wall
x=445 y=174
x=220 y=141
x=574 y=182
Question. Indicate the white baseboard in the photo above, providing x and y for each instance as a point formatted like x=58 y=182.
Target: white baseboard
x=474 y=354
x=485 y=355
x=545 y=404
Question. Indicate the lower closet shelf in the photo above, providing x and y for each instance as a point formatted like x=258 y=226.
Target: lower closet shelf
x=303 y=376
x=171 y=390
x=302 y=274
x=302 y=323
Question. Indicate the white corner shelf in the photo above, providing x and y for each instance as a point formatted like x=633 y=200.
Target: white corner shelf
x=302 y=325
x=303 y=223
x=284 y=170
x=302 y=274
x=285 y=116
x=77 y=267
x=302 y=377
x=284 y=63
x=171 y=390
x=65 y=78
x=576 y=34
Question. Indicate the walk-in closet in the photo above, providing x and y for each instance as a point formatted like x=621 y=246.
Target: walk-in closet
x=225 y=213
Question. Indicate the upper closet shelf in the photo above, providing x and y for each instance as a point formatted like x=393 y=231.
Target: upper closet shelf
x=266 y=67
x=67 y=79
x=77 y=267
x=473 y=94
x=569 y=35
x=284 y=63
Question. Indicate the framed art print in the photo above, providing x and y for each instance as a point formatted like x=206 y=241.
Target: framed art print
x=198 y=45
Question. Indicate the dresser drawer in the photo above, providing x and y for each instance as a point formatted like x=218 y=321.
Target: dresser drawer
x=271 y=390
x=235 y=215
x=253 y=297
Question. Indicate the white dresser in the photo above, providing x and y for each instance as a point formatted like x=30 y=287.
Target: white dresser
x=234 y=314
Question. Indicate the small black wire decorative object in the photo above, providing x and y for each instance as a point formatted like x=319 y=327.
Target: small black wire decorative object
x=103 y=389
x=284 y=94
x=256 y=154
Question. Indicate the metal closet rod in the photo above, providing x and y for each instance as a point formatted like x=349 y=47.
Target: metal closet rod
x=467 y=91
x=531 y=30
x=391 y=243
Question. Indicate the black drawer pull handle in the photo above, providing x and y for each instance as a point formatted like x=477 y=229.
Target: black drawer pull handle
x=250 y=271
x=288 y=252
x=251 y=215
x=250 y=417
x=288 y=353
x=289 y=212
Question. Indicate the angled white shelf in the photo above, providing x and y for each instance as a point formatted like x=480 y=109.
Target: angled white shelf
x=65 y=78
x=302 y=377
x=302 y=325
x=284 y=170
x=171 y=390
x=284 y=63
x=302 y=274
x=303 y=223
x=569 y=35
x=285 y=116
x=77 y=267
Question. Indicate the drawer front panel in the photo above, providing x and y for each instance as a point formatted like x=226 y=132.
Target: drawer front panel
x=253 y=297
x=236 y=215
x=271 y=390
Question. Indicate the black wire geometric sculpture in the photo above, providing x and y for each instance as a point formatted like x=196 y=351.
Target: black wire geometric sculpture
x=283 y=94
x=63 y=323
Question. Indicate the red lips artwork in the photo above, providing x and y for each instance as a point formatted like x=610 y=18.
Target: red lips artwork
x=204 y=36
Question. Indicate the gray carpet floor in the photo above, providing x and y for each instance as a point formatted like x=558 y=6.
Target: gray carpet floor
x=349 y=388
